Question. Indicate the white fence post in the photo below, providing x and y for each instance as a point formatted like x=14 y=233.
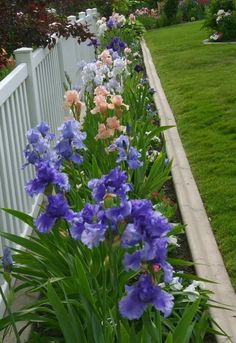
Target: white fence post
x=95 y=17
x=82 y=15
x=71 y=19
x=89 y=11
x=25 y=55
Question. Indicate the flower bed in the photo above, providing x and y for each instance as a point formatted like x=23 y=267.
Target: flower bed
x=102 y=250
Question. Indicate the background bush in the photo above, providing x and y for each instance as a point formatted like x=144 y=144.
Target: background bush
x=170 y=9
x=149 y=22
x=136 y=4
x=30 y=24
x=216 y=5
x=227 y=25
x=190 y=9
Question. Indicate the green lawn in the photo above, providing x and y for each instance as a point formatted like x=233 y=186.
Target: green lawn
x=200 y=83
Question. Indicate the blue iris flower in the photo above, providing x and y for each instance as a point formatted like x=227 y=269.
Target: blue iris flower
x=7 y=261
x=46 y=174
x=89 y=225
x=116 y=44
x=126 y=152
x=112 y=183
x=142 y=294
x=71 y=141
x=57 y=208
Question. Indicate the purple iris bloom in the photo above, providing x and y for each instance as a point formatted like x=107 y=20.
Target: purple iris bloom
x=155 y=251
x=46 y=174
x=151 y=224
x=112 y=183
x=142 y=294
x=44 y=129
x=7 y=261
x=71 y=140
x=89 y=225
x=116 y=44
x=38 y=147
x=152 y=91
x=131 y=236
x=115 y=55
x=132 y=261
x=57 y=208
x=138 y=68
x=30 y=155
x=69 y=129
x=33 y=136
x=140 y=207
x=168 y=271
x=98 y=187
x=122 y=45
x=93 y=234
x=110 y=23
x=158 y=226
x=93 y=42
x=126 y=152
x=65 y=149
x=133 y=158
x=119 y=213
x=147 y=228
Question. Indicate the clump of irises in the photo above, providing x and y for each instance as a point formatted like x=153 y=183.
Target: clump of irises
x=111 y=216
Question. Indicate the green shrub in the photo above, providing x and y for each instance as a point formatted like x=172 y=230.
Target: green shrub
x=224 y=23
x=227 y=26
x=162 y=21
x=148 y=22
x=5 y=71
x=191 y=8
x=136 y=4
x=216 y=5
x=170 y=10
x=121 y=6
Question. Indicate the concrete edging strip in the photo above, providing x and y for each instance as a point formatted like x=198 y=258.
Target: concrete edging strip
x=205 y=252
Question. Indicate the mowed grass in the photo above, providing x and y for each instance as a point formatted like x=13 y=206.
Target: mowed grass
x=200 y=84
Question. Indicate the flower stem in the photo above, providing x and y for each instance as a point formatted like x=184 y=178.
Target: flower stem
x=114 y=279
x=11 y=316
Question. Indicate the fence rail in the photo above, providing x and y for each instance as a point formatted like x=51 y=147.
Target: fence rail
x=33 y=92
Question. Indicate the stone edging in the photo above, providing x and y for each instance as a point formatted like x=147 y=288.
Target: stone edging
x=202 y=243
x=208 y=42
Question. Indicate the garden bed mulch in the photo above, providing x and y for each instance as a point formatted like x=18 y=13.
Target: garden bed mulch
x=204 y=250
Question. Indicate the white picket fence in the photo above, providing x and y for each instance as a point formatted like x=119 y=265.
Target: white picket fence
x=33 y=92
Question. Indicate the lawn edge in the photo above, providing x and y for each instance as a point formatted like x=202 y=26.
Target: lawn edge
x=202 y=243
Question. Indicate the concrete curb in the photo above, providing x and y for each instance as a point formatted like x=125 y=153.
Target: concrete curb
x=205 y=252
